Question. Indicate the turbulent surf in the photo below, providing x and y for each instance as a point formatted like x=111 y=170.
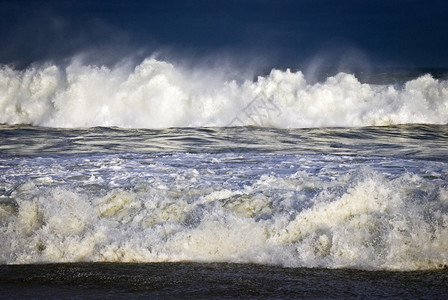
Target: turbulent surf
x=370 y=198
x=158 y=94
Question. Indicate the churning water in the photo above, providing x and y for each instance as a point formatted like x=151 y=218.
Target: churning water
x=190 y=168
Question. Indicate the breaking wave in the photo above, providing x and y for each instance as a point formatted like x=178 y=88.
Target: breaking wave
x=157 y=94
x=363 y=220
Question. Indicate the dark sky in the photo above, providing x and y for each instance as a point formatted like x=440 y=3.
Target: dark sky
x=411 y=33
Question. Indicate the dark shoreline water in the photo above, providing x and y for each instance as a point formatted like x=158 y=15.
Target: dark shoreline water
x=213 y=280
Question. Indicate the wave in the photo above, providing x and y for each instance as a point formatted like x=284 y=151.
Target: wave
x=157 y=94
x=362 y=220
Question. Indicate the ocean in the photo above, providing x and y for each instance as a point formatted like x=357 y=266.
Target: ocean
x=156 y=180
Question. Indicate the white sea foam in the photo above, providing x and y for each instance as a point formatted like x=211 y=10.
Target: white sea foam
x=157 y=94
x=360 y=220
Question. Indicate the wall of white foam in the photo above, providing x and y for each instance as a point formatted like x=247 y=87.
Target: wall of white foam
x=156 y=94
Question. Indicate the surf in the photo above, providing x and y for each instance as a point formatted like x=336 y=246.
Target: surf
x=308 y=211
x=158 y=94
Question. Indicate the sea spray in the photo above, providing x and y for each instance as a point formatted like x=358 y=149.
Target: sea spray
x=157 y=94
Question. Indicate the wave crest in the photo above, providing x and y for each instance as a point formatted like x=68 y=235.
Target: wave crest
x=157 y=94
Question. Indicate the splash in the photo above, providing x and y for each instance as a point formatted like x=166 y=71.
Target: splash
x=157 y=94
x=362 y=220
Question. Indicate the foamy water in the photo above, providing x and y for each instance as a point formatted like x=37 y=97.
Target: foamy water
x=366 y=198
x=157 y=94
x=248 y=204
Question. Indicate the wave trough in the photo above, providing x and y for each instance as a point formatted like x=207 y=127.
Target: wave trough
x=157 y=94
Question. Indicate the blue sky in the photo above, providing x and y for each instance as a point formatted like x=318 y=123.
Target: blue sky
x=286 y=33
